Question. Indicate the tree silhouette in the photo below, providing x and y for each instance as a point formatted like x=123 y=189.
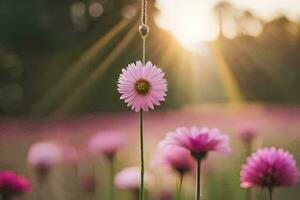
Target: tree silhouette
x=248 y=24
x=223 y=10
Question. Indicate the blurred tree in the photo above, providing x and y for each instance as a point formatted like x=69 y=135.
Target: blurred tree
x=248 y=24
x=11 y=91
x=265 y=66
x=223 y=10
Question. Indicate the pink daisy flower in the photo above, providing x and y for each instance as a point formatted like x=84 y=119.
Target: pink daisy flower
x=69 y=154
x=107 y=143
x=142 y=87
x=12 y=185
x=43 y=156
x=165 y=195
x=176 y=158
x=269 y=167
x=247 y=132
x=199 y=141
x=44 y=153
x=130 y=178
x=88 y=184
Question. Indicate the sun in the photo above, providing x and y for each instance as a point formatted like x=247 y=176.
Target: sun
x=191 y=23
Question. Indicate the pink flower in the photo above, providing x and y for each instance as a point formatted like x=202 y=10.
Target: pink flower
x=43 y=155
x=199 y=141
x=129 y=179
x=88 y=184
x=24 y=184
x=11 y=184
x=141 y=86
x=269 y=167
x=176 y=158
x=165 y=196
x=108 y=143
x=69 y=154
x=247 y=132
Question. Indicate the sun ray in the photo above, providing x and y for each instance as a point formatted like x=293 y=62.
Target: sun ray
x=171 y=62
x=198 y=78
x=182 y=75
x=262 y=62
x=74 y=98
x=230 y=84
x=162 y=47
x=74 y=69
x=164 y=61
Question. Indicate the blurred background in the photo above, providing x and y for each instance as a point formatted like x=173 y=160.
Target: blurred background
x=227 y=63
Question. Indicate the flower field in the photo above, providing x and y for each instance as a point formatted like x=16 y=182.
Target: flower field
x=86 y=175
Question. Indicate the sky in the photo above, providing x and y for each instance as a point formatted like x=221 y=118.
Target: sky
x=194 y=21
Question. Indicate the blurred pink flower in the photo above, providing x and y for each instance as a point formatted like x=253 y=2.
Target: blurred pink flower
x=141 y=86
x=108 y=143
x=247 y=132
x=199 y=141
x=129 y=179
x=43 y=155
x=177 y=158
x=165 y=196
x=88 y=184
x=69 y=154
x=269 y=167
x=11 y=184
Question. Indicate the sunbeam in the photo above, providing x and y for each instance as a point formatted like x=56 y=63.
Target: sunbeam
x=230 y=84
x=73 y=98
x=53 y=94
x=261 y=64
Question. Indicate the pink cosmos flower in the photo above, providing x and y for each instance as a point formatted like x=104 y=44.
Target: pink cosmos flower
x=43 y=155
x=69 y=154
x=269 y=167
x=11 y=184
x=130 y=178
x=108 y=143
x=165 y=196
x=199 y=141
x=88 y=184
x=142 y=87
x=176 y=158
x=247 y=132
x=25 y=184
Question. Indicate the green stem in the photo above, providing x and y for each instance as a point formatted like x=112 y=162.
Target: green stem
x=95 y=194
x=248 y=145
x=78 y=186
x=136 y=194
x=179 y=186
x=270 y=189
x=144 y=22
x=248 y=194
x=142 y=156
x=248 y=148
x=198 y=179
x=112 y=173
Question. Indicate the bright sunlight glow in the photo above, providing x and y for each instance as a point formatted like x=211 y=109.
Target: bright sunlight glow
x=191 y=23
x=194 y=21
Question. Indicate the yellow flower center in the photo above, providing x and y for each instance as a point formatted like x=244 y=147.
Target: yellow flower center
x=142 y=86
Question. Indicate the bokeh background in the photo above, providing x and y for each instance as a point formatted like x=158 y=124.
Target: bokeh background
x=227 y=63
